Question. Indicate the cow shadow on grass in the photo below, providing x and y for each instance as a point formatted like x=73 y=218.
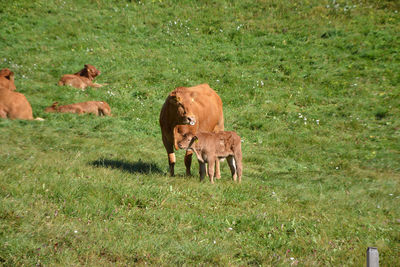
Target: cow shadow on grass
x=131 y=167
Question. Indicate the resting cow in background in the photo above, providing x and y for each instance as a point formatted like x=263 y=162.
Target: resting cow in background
x=188 y=110
x=82 y=78
x=14 y=105
x=98 y=108
x=7 y=79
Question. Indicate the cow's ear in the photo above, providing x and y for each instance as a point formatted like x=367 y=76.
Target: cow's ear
x=7 y=73
x=86 y=66
x=54 y=104
x=195 y=139
x=11 y=76
x=172 y=100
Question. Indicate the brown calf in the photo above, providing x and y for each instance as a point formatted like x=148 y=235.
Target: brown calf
x=210 y=147
x=82 y=78
x=97 y=108
x=14 y=105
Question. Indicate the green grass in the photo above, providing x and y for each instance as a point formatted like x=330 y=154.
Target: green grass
x=311 y=87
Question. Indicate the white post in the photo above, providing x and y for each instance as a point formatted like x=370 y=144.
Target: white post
x=372 y=257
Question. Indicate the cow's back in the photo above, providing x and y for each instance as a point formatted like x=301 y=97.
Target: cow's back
x=207 y=107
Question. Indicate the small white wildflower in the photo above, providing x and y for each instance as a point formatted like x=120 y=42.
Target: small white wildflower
x=217 y=81
x=390 y=194
x=230 y=229
x=273 y=193
x=262 y=83
x=317 y=121
x=337 y=168
x=75 y=231
x=291 y=258
x=215 y=242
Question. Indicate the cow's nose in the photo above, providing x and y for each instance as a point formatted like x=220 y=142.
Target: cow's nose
x=192 y=120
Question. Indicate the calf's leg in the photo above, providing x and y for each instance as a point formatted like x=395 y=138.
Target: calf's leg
x=239 y=165
x=211 y=166
x=188 y=161
x=202 y=170
x=217 y=169
x=231 y=163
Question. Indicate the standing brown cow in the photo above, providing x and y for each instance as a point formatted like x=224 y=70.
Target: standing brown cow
x=188 y=110
x=7 y=79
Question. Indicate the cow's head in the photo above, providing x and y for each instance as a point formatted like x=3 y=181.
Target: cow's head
x=9 y=75
x=183 y=106
x=187 y=141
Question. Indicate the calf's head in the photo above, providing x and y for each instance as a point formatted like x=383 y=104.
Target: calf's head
x=182 y=104
x=89 y=71
x=52 y=108
x=187 y=141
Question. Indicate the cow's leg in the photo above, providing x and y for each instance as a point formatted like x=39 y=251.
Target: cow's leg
x=169 y=146
x=188 y=161
x=202 y=170
x=211 y=166
x=239 y=165
x=231 y=163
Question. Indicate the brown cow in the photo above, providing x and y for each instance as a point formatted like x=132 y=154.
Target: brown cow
x=7 y=79
x=14 y=105
x=188 y=110
x=97 y=108
x=210 y=147
x=82 y=78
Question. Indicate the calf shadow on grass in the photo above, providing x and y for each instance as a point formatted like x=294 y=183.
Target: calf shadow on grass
x=131 y=167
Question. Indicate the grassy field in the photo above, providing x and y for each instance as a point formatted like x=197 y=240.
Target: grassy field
x=312 y=87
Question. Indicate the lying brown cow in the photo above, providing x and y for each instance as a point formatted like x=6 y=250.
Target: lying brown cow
x=82 y=78
x=188 y=110
x=14 y=105
x=97 y=108
x=210 y=147
x=7 y=79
